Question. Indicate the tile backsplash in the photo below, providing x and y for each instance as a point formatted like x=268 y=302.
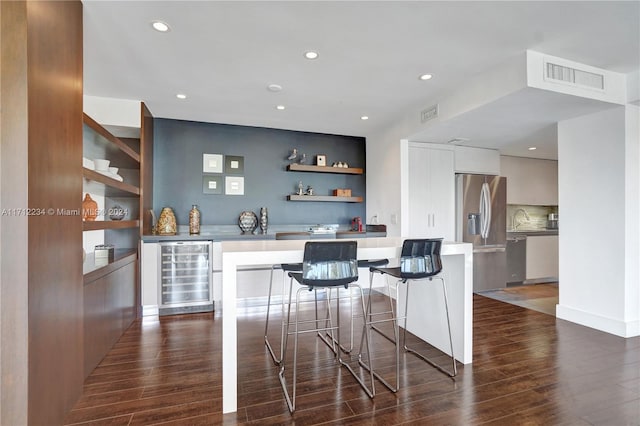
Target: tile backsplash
x=537 y=217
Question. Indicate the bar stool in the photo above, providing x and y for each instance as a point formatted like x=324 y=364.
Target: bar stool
x=285 y=267
x=420 y=260
x=326 y=265
x=361 y=264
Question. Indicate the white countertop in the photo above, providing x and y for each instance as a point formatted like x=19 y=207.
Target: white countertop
x=458 y=271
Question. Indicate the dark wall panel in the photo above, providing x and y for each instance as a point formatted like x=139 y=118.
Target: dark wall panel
x=177 y=175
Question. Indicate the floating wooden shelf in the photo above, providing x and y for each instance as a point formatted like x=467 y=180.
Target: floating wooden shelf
x=324 y=198
x=120 y=154
x=103 y=185
x=109 y=224
x=324 y=169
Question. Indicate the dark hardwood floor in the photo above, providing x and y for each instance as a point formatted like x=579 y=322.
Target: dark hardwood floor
x=529 y=369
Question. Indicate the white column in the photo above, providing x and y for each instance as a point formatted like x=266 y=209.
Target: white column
x=599 y=238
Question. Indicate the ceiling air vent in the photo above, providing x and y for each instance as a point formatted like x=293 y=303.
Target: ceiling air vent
x=573 y=76
x=429 y=113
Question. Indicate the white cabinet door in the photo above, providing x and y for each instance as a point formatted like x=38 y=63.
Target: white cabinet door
x=431 y=193
x=477 y=160
x=542 y=257
x=530 y=181
x=149 y=274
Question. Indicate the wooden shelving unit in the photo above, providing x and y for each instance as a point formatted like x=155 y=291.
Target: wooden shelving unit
x=98 y=142
x=324 y=169
x=324 y=198
x=104 y=185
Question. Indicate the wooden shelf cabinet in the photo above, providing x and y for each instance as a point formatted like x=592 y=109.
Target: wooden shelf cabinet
x=98 y=142
x=324 y=198
x=324 y=169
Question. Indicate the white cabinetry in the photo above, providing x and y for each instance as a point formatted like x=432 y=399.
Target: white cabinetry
x=542 y=257
x=530 y=181
x=149 y=277
x=431 y=192
x=477 y=160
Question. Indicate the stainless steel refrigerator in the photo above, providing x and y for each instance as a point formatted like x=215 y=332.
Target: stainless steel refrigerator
x=481 y=210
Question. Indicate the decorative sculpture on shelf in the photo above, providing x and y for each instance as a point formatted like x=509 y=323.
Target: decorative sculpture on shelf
x=248 y=222
x=300 y=188
x=90 y=208
x=293 y=155
x=264 y=219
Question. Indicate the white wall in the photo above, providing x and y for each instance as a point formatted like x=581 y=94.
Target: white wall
x=383 y=178
x=113 y=112
x=593 y=251
x=632 y=218
x=384 y=149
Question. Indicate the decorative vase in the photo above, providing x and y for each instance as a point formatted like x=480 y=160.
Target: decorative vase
x=89 y=208
x=194 y=220
x=166 y=222
x=248 y=222
x=116 y=212
x=264 y=219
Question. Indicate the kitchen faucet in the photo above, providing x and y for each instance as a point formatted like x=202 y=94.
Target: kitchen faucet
x=513 y=218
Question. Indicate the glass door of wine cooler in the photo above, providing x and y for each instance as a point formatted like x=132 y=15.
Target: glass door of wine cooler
x=185 y=277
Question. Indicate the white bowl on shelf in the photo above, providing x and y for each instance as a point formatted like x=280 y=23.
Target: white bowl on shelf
x=101 y=164
x=88 y=164
x=113 y=170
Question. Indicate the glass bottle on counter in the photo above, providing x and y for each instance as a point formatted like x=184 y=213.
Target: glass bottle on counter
x=194 y=220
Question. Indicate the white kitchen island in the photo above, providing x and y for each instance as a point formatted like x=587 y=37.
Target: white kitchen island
x=425 y=321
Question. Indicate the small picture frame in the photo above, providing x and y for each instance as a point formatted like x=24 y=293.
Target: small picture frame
x=321 y=160
x=234 y=185
x=212 y=163
x=233 y=164
x=212 y=184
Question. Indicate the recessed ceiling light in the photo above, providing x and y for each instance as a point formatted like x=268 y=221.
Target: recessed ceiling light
x=274 y=87
x=426 y=77
x=181 y=96
x=160 y=26
x=364 y=117
x=280 y=107
x=532 y=148
x=311 y=55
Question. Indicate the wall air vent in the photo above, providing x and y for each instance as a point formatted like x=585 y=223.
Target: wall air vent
x=458 y=141
x=429 y=113
x=573 y=76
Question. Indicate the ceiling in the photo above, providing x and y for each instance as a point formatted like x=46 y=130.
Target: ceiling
x=223 y=55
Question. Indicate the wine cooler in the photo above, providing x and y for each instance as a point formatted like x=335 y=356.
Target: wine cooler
x=185 y=277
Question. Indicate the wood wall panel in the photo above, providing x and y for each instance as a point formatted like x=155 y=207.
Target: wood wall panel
x=109 y=307
x=54 y=37
x=146 y=170
x=13 y=228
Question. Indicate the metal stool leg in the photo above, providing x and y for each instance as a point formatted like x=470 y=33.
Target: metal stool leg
x=275 y=358
x=291 y=402
x=368 y=326
x=365 y=337
x=391 y=311
x=291 y=397
x=419 y=355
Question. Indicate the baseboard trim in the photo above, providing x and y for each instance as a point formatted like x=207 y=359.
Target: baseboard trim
x=608 y=325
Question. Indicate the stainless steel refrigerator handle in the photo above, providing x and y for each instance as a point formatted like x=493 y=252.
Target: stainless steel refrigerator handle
x=490 y=250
